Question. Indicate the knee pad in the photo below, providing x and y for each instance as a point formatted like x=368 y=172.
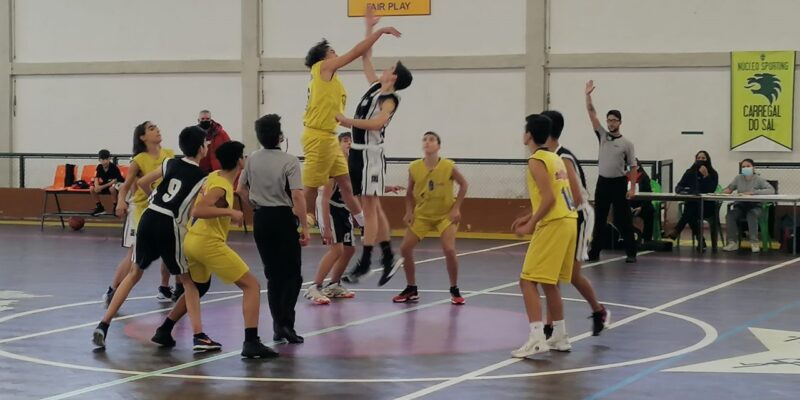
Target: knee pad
x=203 y=287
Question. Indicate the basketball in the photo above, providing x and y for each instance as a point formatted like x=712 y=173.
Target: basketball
x=76 y=223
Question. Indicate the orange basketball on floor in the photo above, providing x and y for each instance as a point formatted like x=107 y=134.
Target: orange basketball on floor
x=76 y=223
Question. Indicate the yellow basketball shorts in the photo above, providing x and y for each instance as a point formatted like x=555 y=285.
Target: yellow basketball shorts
x=551 y=253
x=207 y=256
x=422 y=226
x=323 y=157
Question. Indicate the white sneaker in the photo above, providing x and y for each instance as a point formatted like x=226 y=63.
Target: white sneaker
x=534 y=345
x=755 y=247
x=559 y=343
x=316 y=297
x=337 y=291
x=731 y=246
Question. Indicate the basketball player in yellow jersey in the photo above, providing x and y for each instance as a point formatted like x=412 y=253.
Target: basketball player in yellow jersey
x=551 y=252
x=430 y=206
x=206 y=249
x=326 y=99
x=147 y=156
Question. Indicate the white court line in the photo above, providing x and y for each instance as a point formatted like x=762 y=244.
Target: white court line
x=710 y=335
x=88 y=324
x=331 y=329
x=507 y=362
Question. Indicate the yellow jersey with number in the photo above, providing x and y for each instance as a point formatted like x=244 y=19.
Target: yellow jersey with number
x=564 y=206
x=433 y=188
x=147 y=164
x=326 y=99
x=214 y=228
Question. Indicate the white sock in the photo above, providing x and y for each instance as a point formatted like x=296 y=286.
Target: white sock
x=359 y=218
x=537 y=329
x=559 y=328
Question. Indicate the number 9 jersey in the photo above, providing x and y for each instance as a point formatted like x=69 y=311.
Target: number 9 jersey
x=181 y=181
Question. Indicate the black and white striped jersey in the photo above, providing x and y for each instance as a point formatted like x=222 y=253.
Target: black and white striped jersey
x=181 y=181
x=368 y=107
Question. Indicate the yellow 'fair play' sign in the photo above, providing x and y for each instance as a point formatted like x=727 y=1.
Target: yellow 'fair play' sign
x=356 y=8
x=762 y=100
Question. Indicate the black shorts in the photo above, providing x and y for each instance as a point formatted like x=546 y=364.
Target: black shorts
x=341 y=226
x=159 y=236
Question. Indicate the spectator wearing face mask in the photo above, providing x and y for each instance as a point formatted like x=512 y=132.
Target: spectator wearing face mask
x=216 y=136
x=746 y=183
x=700 y=178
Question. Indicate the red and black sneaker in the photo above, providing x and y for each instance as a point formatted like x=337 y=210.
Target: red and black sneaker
x=409 y=294
x=455 y=296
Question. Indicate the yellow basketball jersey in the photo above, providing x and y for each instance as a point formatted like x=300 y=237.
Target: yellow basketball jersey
x=564 y=207
x=148 y=164
x=215 y=228
x=433 y=189
x=326 y=99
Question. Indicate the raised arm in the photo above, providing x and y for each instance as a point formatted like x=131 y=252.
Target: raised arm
x=334 y=64
x=590 y=107
x=369 y=69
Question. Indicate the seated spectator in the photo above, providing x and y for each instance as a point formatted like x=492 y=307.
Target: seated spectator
x=746 y=183
x=643 y=208
x=700 y=178
x=106 y=181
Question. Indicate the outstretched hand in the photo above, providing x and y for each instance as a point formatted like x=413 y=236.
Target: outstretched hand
x=371 y=18
x=589 y=87
x=391 y=31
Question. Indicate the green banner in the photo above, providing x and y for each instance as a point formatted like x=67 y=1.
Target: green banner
x=762 y=100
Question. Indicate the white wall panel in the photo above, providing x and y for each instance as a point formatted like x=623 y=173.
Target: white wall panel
x=82 y=114
x=120 y=30
x=666 y=26
x=455 y=27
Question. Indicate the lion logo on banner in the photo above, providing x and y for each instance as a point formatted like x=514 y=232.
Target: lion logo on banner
x=767 y=85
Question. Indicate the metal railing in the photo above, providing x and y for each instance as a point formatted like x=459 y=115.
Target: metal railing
x=489 y=178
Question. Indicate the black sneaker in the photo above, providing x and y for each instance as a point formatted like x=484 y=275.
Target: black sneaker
x=204 y=343
x=548 y=331
x=98 y=210
x=593 y=258
x=630 y=260
x=164 y=294
x=287 y=335
x=257 y=350
x=600 y=320
x=177 y=293
x=360 y=271
x=163 y=338
x=99 y=336
x=390 y=267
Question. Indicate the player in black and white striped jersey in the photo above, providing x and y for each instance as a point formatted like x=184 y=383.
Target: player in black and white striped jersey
x=367 y=161
x=600 y=316
x=163 y=224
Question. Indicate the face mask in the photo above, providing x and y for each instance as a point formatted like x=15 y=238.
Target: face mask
x=205 y=124
x=701 y=162
x=747 y=171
